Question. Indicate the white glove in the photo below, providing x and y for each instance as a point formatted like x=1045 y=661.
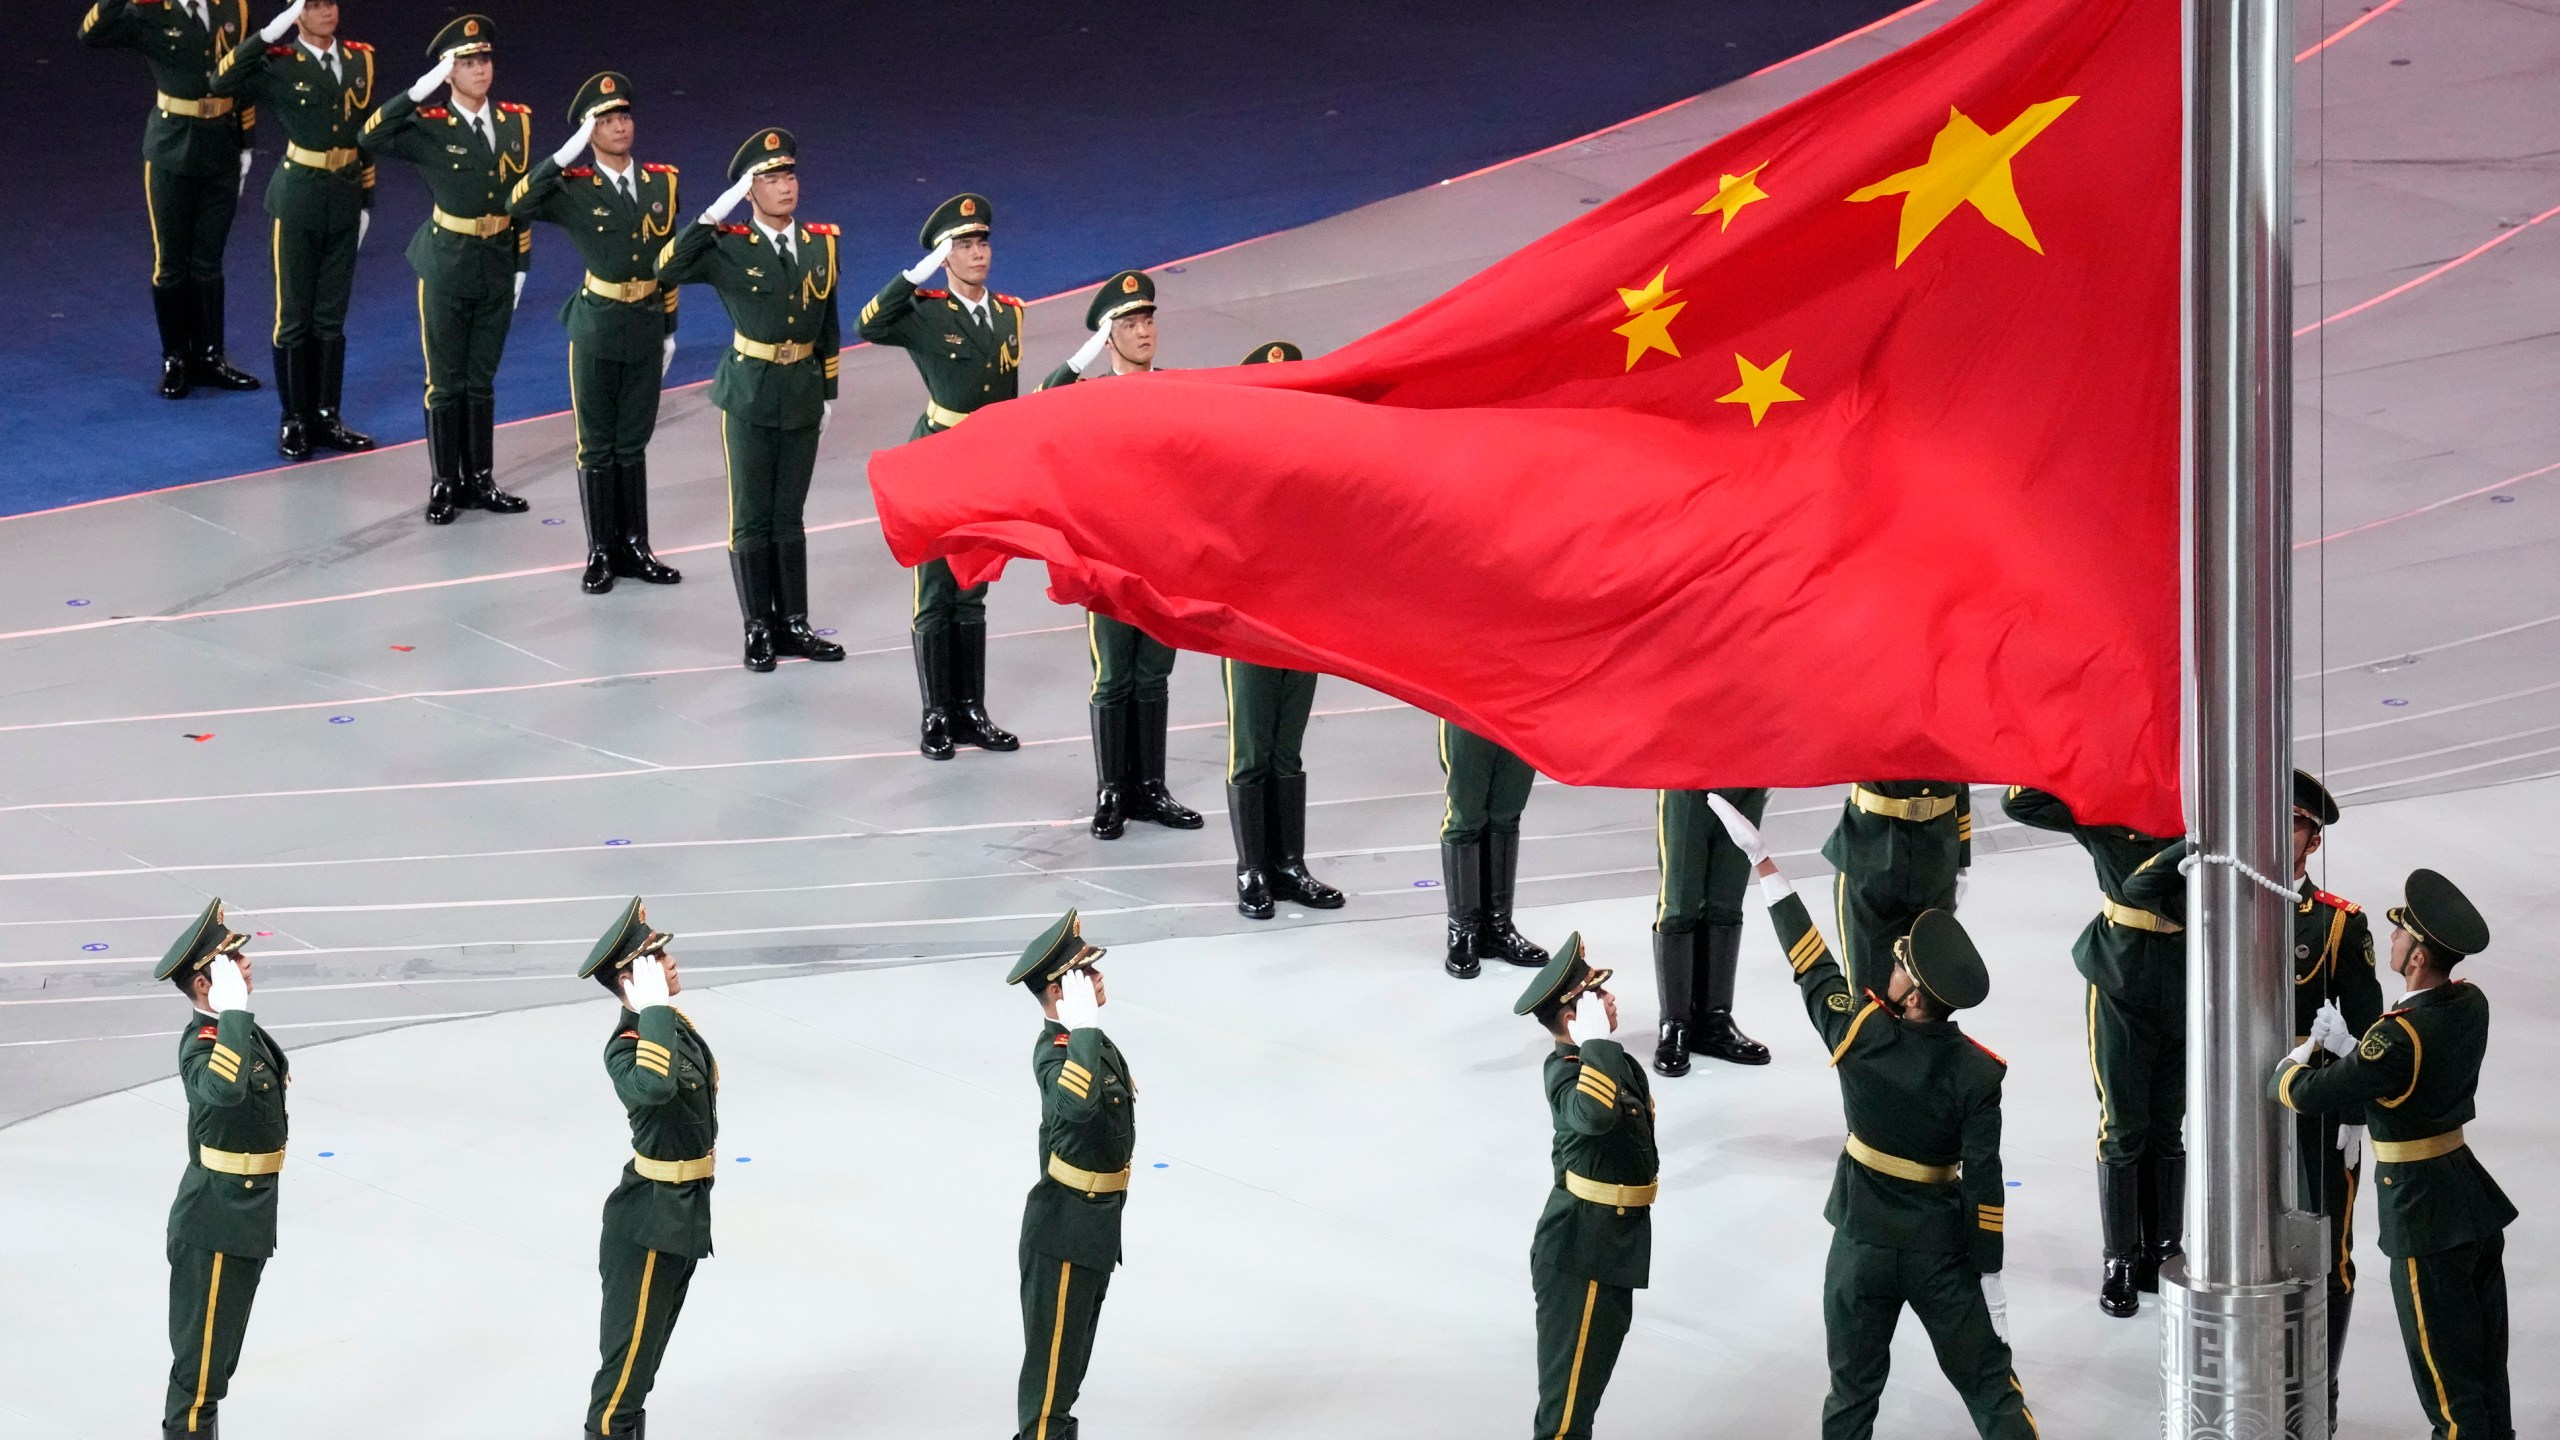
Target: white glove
x=2301 y=1054
x=667 y=358
x=428 y=82
x=728 y=200
x=826 y=413
x=647 y=985
x=519 y=300
x=1964 y=882
x=364 y=223
x=2329 y=1031
x=1995 y=1297
x=1744 y=833
x=229 y=989
x=1092 y=350
x=2351 y=1144
x=1591 y=1017
x=1076 y=1009
x=922 y=270
x=569 y=151
x=276 y=28
x=246 y=155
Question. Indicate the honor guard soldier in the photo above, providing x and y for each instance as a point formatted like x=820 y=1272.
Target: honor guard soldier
x=776 y=385
x=1697 y=928
x=966 y=342
x=319 y=205
x=2135 y=960
x=1902 y=847
x=1917 y=1209
x=1593 y=1248
x=1071 y=1220
x=1130 y=701
x=1485 y=788
x=657 y=1221
x=223 y=1226
x=2414 y=1079
x=470 y=255
x=622 y=326
x=195 y=165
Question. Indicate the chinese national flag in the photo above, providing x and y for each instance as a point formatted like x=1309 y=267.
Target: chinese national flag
x=1844 y=449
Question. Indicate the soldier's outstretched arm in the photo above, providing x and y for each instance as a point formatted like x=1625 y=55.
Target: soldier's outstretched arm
x=1827 y=1000
x=641 y=1060
x=537 y=195
x=2036 y=809
x=2382 y=1070
x=1986 y=1202
x=1580 y=1092
x=214 y=1069
x=242 y=71
x=692 y=256
x=393 y=130
x=1064 y=375
x=109 y=24
x=884 y=316
x=2157 y=885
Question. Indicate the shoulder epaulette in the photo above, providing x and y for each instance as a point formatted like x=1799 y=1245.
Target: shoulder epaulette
x=628 y=1035
x=733 y=229
x=2335 y=902
x=933 y=294
x=511 y=108
x=357 y=45
x=1003 y=299
x=1987 y=1050
x=1059 y=1039
x=434 y=112
x=577 y=172
x=206 y=1032
x=279 y=51
x=817 y=229
x=659 y=169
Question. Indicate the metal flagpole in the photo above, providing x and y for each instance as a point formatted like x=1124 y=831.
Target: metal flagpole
x=2244 y=1343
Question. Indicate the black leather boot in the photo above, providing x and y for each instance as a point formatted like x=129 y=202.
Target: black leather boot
x=2119 y=1236
x=1502 y=941
x=1110 y=770
x=791 y=632
x=329 y=376
x=969 y=722
x=445 y=464
x=2164 y=1218
x=1675 y=975
x=1712 y=1032
x=752 y=572
x=172 y=307
x=293 y=436
x=1249 y=817
x=1462 y=890
x=481 y=434
x=1290 y=879
x=2342 y=1303
x=596 y=499
x=632 y=559
x=933 y=684
x=206 y=364
x=1148 y=797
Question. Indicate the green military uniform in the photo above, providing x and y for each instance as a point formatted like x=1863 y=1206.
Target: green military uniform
x=968 y=362
x=657 y=1221
x=2135 y=961
x=1697 y=928
x=222 y=1226
x=1899 y=847
x=1071 y=1219
x=1918 y=1210
x=1485 y=787
x=316 y=203
x=1593 y=1247
x=620 y=322
x=2414 y=1080
x=193 y=150
x=774 y=385
x=467 y=255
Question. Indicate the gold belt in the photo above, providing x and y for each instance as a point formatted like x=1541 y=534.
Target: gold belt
x=211 y=107
x=1917 y=809
x=2401 y=1152
x=1091 y=1182
x=789 y=352
x=1600 y=1192
x=338 y=159
x=2133 y=919
x=625 y=291
x=673 y=1172
x=482 y=226
x=1899 y=1168
x=943 y=416
x=233 y=1162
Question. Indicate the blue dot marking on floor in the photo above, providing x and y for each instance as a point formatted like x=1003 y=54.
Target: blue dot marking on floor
x=2395 y=704
x=342 y=719
x=617 y=842
x=1426 y=884
x=75 y=604
x=95 y=945
x=1160 y=1164
x=325 y=1154
x=743 y=1159
x=826 y=632
x=2014 y=1184
x=553 y=520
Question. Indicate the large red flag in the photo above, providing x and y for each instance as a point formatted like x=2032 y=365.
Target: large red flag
x=1843 y=449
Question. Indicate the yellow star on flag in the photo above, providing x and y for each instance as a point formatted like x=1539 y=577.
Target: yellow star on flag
x=1649 y=318
x=1732 y=193
x=1967 y=166
x=1761 y=388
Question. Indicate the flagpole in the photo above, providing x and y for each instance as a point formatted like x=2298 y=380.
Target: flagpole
x=2244 y=1346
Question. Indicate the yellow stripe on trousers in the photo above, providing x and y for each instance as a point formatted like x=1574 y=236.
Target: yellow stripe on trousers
x=1573 y=1381
x=1448 y=787
x=631 y=1352
x=2427 y=1352
x=275 y=262
x=204 y=1363
x=424 y=358
x=2105 y=1114
x=1057 y=1337
x=151 y=213
x=1228 y=673
x=1093 y=647
x=1661 y=856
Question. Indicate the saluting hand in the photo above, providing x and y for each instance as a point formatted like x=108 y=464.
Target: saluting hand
x=428 y=82
x=577 y=142
x=922 y=270
x=1595 y=1014
x=728 y=201
x=1091 y=351
x=647 y=985
x=227 y=989
x=1079 y=1003
x=276 y=28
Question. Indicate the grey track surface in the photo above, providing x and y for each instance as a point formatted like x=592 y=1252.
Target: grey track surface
x=448 y=848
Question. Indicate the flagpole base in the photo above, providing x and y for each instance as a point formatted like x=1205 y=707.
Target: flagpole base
x=2247 y=1363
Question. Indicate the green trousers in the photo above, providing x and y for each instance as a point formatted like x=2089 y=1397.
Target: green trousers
x=190 y=223
x=464 y=336
x=2328 y=1186
x=315 y=273
x=209 y=1298
x=616 y=403
x=769 y=470
x=643 y=1294
x=1704 y=873
x=1267 y=712
x=1061 y=1303
x=2138 y=1060
x=1581 y=1324
x=2453 y=1320
x=1486 y=786
x=1864 y=1288
x=1871 y=917
x=1129 y=665
x=941 y=602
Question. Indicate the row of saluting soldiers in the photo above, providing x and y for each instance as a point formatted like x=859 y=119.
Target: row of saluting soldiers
x=1917 y=1202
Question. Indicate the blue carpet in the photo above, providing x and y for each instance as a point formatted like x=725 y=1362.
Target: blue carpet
x=1109 y=136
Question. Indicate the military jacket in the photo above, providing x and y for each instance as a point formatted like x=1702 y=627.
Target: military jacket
x=182 y=55
x=1602 y=1107
x=234 y=1075
x=1915 y=859
x=467 y=180
x=1920 y=1097
x=669 y=1084
x=2414 y=1077
x=2119 y=959
x=1089 y=1119
x=769 y=303
x=964 y=365
x=619 y=241
x=2332 y=960
x=316 y=113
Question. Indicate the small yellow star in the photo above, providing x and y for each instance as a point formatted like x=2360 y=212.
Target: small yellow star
x=1732 y=193
x=1966 y=166
x=1650 y=311
x=1761 y=388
